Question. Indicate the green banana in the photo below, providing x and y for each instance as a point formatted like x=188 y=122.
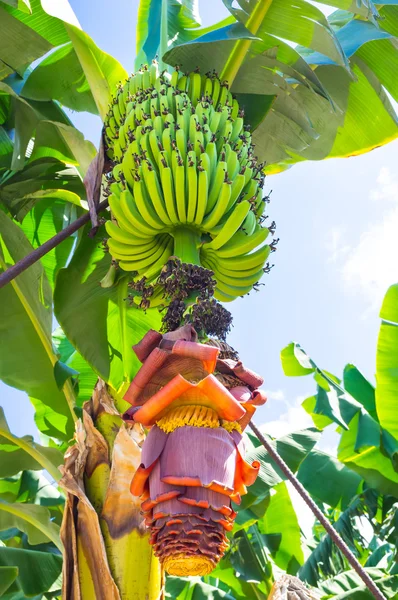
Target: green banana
x=246 y=262
x=227 y=279
x=169 y=194
x=203 y=186
x=144 y=205
x=218 y=211
x=179 y=178
x=183 y=157
x=131 y=213
x=120 y=235
x=123 y=222
x=191 y=186
x=250 y=223
x=155 y=192
x=240 y=243
x=231 y=225
x=144 y=262
x=126 y=252
x=216 y=185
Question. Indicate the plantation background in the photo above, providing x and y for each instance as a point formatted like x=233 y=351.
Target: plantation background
x=334 y=262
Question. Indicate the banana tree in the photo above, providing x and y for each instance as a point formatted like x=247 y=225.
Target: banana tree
x=183 y=182
x=363 y=414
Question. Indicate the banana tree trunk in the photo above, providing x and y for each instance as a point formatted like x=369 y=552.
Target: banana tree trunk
x=107 y=552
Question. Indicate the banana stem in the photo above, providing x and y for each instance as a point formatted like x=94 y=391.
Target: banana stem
x=186 y=245
x=241 y=47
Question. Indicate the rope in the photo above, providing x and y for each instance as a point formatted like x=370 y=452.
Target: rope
x=28 y=260
x=340 y=543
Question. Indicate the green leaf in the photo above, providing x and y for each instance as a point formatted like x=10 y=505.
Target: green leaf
x=25 y=122
x=359 y=100
x=281 y=518
x=295 y=361
x=21 y=190
x=381 y=57
x=249 y=558
x=331 y=404
x=6 y=149
x=181 y=17
x=104 y=340
x=360 y=388
x=62 y=373
x=23 y=5
x=89 y=76
x=352 y=36
x=293 y=448
x=86 y=377
x=22 y=43
x=21 y=454
x=44 y=82
x=51 y=138
x=299 y=22
x=334 y=484
x=204 y=591
x=326 y=559
x=45 y=220
x=375 y=468
x=212 y=48
x=349 y=586
x=387 y=363
x=64 y=143
x=102 y=71
x=7 y=576
x=37 y=571
x=26 y=303
x=32 y=519
x=35 y=488
x=240 y=588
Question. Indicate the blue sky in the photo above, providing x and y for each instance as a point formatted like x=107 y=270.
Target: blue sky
x=337 y=222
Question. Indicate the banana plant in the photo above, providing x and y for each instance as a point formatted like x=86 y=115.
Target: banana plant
x=368 y=442
x=184 y=184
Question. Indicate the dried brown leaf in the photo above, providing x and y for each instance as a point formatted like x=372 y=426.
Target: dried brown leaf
x=291 y=588
x=121 y=509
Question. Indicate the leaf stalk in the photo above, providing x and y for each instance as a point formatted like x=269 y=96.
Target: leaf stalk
x=241 y=47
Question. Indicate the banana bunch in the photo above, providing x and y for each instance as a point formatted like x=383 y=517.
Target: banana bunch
x=185 y=181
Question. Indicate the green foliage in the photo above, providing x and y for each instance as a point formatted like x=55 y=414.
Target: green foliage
x=29 y=361
x=348 y=586
x=105 y=339
x=38 y=572
x=315 y=100
x=19 y=454
x=387 y=370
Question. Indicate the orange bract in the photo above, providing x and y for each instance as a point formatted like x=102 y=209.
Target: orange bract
x=193 y=462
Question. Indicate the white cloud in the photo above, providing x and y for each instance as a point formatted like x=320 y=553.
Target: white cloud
x=335 y=245
x=277 y=395
x=388 y=186
x=293 y=419
x=371 y=266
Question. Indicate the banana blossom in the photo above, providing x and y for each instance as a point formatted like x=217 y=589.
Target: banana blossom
x=193 y=462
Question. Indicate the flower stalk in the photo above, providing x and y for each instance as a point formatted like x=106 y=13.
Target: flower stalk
x=241 y=47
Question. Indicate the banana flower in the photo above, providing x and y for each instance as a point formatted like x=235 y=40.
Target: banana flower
x=196 y=406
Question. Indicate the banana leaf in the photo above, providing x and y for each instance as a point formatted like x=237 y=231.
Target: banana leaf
x=104 y=340
x=387 y=363
x=29 y=361
x=19 y=454
x=365 y=446
x=281 y=522
x=33 y=520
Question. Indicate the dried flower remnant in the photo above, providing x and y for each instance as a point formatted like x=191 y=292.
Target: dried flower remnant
x=193 y=462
